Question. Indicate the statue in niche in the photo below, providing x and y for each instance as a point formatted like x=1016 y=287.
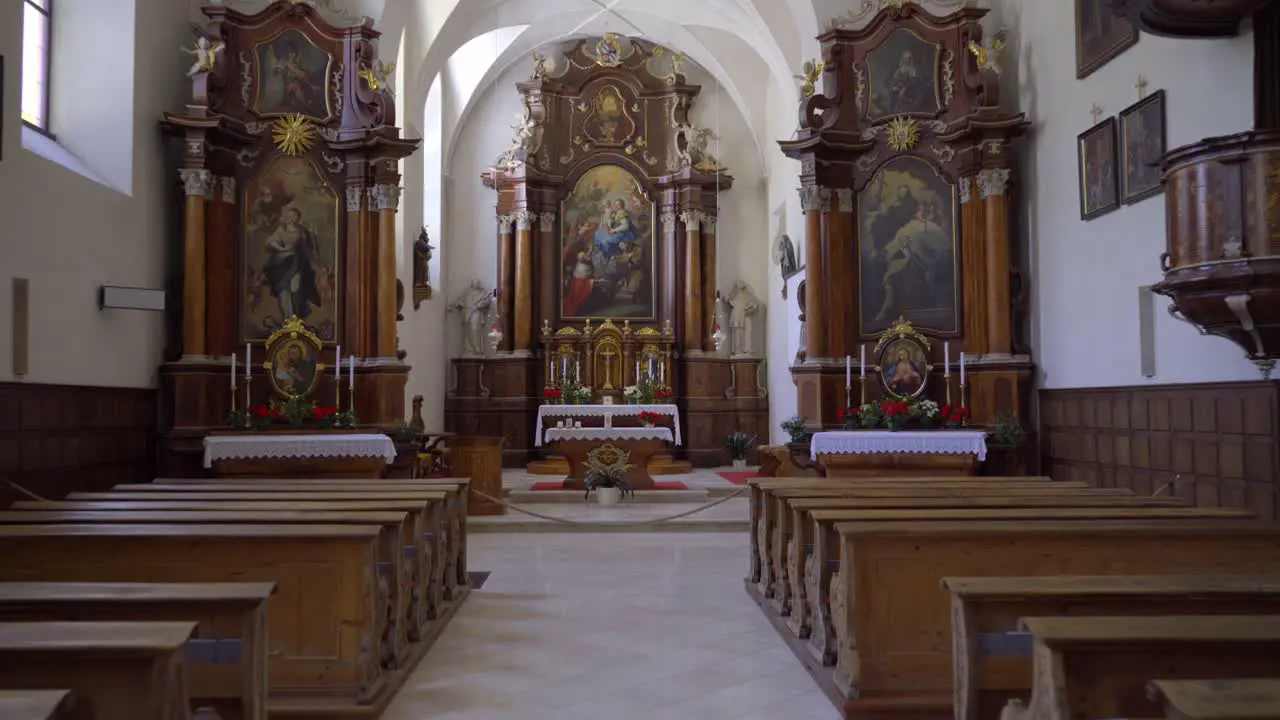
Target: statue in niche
x=422 y=251
x=474 y=304
x=693 y=148
x=525 y=142
x=743 y=305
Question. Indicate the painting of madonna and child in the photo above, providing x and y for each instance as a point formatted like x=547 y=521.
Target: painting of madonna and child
x=290 y=249
x=908 y=264
x=606 y=250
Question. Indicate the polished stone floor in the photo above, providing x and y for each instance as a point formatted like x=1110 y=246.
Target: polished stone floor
x=621 y=626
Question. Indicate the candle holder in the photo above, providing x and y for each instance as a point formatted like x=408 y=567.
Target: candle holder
x=962 y=395
x=248 y=399
x=946 y=380
x=337 y=395
x=862 y=390
x=848 y=396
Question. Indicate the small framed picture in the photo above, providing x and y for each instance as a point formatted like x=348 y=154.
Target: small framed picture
x=1142 y=145
x=1101 y=35
x=1099 y=172
x=607 y=399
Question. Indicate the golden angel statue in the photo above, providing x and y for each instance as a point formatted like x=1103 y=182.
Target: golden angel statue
x=988 y=53
x=812 y=71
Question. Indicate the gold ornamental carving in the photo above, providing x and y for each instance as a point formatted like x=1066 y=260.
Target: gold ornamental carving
x=293 y=134
x=903 y=133
x=812 y=71
x=608 y=122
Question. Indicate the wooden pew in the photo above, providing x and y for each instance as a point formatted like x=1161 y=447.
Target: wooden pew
x=398 y=576
x=227 y=658
x=810 y=577
x=447 y=552
x=42 y=705
x=1250 y=699
x=992 y=661
x=1099 y=667
x=325 y=633
x=425 y=528
x=885 y=650
x=125 y=671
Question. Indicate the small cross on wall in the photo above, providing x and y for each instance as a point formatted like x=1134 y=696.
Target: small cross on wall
x=1096 y=112
x=1142 y=87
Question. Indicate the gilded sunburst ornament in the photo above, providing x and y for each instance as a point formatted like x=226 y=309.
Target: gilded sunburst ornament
x=904 y=133
x=293 y=134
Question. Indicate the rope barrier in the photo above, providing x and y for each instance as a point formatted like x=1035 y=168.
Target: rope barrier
x=638 y=523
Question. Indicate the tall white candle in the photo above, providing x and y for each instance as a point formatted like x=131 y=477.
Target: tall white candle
x=351 y=373
x=248 y=360
x=946 y=359
x=662 y=373
x=337 y=365
x=848 y=371
x=233 y=371
x=862 y=361
x=637 y=370
x=577 y=372
x=961 y=369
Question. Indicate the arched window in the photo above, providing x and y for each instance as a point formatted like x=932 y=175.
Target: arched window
x=37 y=17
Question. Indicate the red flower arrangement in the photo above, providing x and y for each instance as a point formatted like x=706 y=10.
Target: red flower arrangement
x=552 y=394
x=849 y=417
x=324 y=412
x=662 y=394
x=954 y=416
x=649 y=419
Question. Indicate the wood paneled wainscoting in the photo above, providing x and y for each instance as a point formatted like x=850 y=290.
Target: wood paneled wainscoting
x=1218 y=444
x=56 y=439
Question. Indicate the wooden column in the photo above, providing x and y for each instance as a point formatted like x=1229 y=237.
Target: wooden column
x=973 y=267
x=522 y=287
x=221 y=329
x=841 y=270
x=197 y=185
x=710 y=280
x=692 y=331
x=386 y=198
x=992 y=186
x=506 y=276
x=667 y=263
x=815 y=201
x=545 y=250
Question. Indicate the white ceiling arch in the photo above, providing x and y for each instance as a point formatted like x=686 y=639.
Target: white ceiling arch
x=748 y=103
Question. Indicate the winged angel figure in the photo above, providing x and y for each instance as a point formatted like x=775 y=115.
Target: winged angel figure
x=206 y=51
x=988 y=53
x=812 y=71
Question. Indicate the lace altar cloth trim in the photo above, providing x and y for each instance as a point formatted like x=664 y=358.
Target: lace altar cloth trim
x=918 y=442
x=628 y=433
x=605 y=411
x=246 y=447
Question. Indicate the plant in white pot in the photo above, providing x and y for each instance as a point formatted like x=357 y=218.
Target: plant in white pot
x=607 y=476
x=739 y=445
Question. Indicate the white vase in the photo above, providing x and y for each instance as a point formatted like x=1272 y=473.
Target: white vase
x=740 y=464
x=608 y=495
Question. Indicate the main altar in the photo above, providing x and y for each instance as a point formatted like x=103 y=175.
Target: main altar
x=288 y=163
x=606 y=236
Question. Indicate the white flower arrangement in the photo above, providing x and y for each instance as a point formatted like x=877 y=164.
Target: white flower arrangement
x=927 y=409
x=631 y=392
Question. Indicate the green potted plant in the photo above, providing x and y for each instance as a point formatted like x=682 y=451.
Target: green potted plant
x=1006 y=445
x=796 y=429
x=609 y=482
x=739 y=445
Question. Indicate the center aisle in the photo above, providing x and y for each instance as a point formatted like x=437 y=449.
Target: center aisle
x=624 y=626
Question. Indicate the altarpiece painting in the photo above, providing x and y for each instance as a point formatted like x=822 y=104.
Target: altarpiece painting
x=606 y=248
x=901 y=75
x=908 y=244
x=290 y=249
x=292 y=77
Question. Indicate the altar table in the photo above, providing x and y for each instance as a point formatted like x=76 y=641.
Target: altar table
x=607 y=412
x=865 y=453
x=642 y=443
x=284 y=454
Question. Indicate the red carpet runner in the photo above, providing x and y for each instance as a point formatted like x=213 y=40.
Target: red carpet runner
x=737 y=477
x=658 y=485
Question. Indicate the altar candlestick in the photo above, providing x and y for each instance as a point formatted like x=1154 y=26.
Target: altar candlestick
x=637 y=370
x=662 y=373
x=248 y=360
x=337 y=364
x=351 y=374
x=946 y=359
x=233 y=374
x=577 y=372
x=848 y=372
x=962 y=369
x=862 y=361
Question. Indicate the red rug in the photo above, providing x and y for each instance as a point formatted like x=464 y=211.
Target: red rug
x=657 y=485
x=737 y=477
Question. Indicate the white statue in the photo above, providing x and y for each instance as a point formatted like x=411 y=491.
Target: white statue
x=525 y=142
x=693 y=148
x=206 y=52
x=474 y=304
x=743 y=305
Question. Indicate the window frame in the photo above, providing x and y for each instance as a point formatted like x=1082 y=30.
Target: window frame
x=47 y=59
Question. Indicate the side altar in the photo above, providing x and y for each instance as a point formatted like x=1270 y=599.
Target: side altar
x=288 y=164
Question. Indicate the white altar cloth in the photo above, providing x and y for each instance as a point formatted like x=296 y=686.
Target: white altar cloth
x=337 y=445
x=608 y=412
x=627 y=433
x=918 y=442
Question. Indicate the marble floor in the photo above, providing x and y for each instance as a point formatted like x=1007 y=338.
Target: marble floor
x=621 y=626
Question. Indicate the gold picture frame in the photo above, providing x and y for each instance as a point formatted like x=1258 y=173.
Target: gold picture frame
x=294 y=76
x=902 y=357
x=292 y=364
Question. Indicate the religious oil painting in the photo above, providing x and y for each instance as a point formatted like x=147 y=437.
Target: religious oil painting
x=292 y=77
x=607 y=248
x=290 y=249
x=608 y=122
x=908 y=263
x=293 y=367
x=902 y=76
x=1142 y=147
x=903 y=367
x=1099 y=174
x=1101 y=35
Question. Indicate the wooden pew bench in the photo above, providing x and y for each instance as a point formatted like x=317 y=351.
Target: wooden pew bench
x=445 y=548
x=892 y=618
x=992 y=659
x=1099 y=667
x=43 y=705
x=1251 y=699
x=125 y=671
x=227 y=658
x=398 y=577
x=325 y=632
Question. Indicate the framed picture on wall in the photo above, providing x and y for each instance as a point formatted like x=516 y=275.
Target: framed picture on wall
x=1099 y=171
x=1101 y=35
x=1142 y=145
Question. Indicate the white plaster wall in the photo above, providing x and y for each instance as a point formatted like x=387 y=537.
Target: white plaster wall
x=69 y=234
x=1084 y=276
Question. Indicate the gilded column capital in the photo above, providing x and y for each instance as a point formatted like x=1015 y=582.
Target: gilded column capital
x=196 y=181
x=966 y=190
x=227 y=190
x=815 y=198
x=355 y=198
x=693 y=219
x=547 y=221
x=524 y=219
x=668 y=219
x=993 y=182
x=504 y=224
x=844 y=200
x=384 y=197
